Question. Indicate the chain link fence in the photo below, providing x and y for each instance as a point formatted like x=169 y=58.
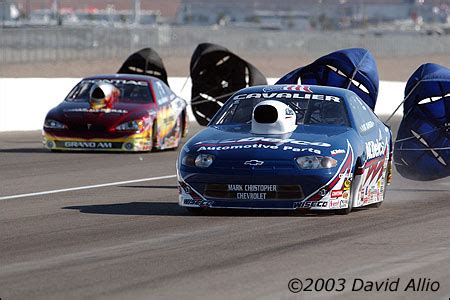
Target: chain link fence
x=58 y=44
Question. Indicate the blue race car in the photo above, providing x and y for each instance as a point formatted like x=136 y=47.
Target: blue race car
x=288 y=147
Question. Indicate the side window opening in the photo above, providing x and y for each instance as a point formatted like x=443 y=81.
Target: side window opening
x=364 y=117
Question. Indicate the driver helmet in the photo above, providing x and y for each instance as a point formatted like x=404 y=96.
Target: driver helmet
x=103 y=95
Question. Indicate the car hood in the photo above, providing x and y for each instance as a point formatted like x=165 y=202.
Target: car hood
x=236 y=142
x=79 y=113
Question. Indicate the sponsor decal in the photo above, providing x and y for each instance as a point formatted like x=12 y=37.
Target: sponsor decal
x=343 y=203
x=349 y=176
x=262 y=139
x=253 y=162
x=251 y=191
x=309 y=204
x=334 y=203
x=294 y=149
x=346 y=195
x=303 y=88
x=347 y=184
x=278 y=95
x=337 y=151
x=89 y=145
x=289 y=113
x=252 y=188
x=257 y=146
x=323 y=192
x=270 y=88
x=375 y=149
x=336 y=193
x=118 y=81
x=251 y=196
x=100 y=110
x=198 y=202
x=366 y=126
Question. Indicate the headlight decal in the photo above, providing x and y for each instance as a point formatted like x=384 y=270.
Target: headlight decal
x=135 y=125
x=53 y=124
x=198 y=160
x=316 y=162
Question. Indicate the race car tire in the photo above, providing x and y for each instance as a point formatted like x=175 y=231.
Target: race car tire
x=179 y=129
x=153 y=147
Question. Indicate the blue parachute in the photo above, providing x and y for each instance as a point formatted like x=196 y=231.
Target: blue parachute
x=422 y=147
x=354 y=69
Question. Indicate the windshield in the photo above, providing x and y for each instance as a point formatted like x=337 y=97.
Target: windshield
x=131 y=91
x=309 y=109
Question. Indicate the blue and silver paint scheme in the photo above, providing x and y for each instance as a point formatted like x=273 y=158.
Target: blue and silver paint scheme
x=260 y=171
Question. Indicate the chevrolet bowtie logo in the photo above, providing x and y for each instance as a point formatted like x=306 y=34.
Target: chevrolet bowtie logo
x=253 y=162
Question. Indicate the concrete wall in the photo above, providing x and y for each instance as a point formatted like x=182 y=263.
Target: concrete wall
x=24 y=102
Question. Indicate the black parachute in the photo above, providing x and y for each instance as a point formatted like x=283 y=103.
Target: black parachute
x=422 y=148
x=145 y=62
x=216 y=74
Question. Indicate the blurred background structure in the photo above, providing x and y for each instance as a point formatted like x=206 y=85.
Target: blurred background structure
x=55 y=32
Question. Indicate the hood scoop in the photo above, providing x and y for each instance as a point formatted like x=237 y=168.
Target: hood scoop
x=273 y=117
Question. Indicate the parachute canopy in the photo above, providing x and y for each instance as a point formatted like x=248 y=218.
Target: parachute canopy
x=216 y=74
x=422 y=147
x=145 y=62
x=354 y=69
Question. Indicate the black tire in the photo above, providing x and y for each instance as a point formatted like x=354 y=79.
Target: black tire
x=378 y=204
x=179 y=128
x=154 y=137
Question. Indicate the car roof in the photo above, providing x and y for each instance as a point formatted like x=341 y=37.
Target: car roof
x=292 y=88
x=121 y=76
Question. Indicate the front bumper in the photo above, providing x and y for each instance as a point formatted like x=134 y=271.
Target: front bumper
x=327 y=200
x=131 y=143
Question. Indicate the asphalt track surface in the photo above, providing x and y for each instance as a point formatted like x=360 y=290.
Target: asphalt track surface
x=132 y=240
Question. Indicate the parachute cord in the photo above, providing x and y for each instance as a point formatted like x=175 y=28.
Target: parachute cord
x=185 y=82
x=209 y=100
x=401 y=103
x=413 y=137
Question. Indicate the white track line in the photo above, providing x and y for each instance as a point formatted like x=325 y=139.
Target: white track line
x=86 y=187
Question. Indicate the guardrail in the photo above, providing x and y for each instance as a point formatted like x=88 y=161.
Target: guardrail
x=24 y=102
x=29 y=45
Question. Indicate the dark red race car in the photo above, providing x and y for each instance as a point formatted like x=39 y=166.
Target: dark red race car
x=118 y=112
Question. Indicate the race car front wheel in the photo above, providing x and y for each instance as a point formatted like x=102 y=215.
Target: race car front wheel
x=178 y=132
x=155 y=141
